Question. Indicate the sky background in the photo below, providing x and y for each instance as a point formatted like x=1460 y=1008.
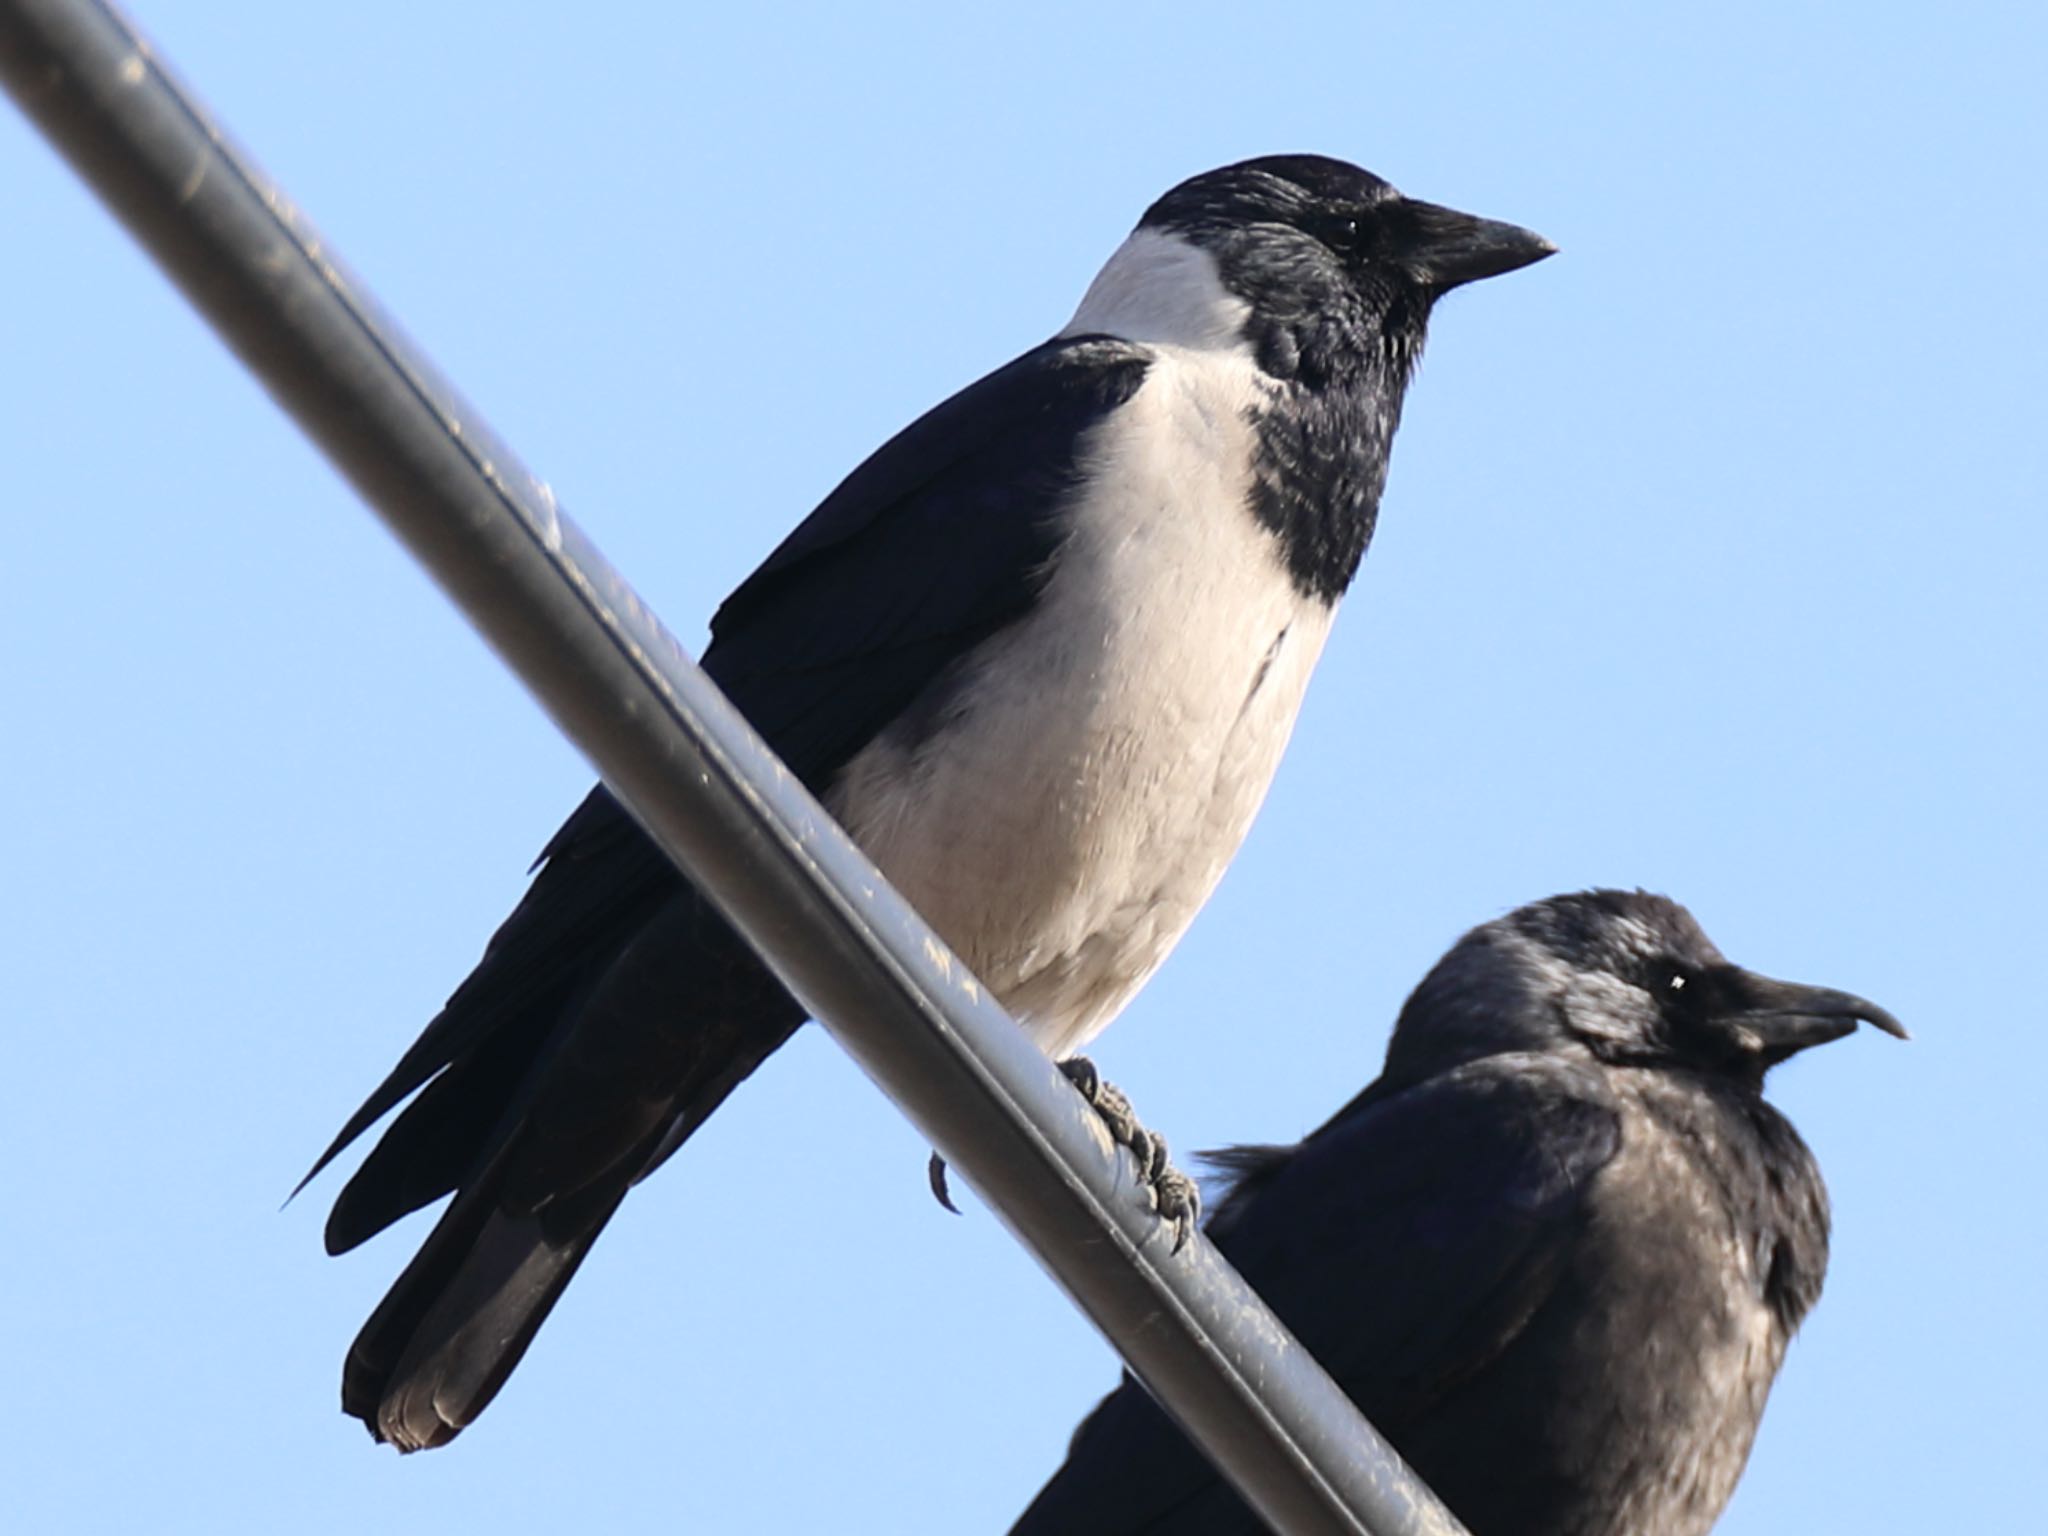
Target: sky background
x=1710 y=562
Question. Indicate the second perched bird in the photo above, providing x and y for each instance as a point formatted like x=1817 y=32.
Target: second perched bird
x=1554 y=1253
x=1039 y=654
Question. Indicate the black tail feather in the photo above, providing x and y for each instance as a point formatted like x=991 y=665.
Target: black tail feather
x=451 y=1330
x=561 y=1095
x=439 y=1138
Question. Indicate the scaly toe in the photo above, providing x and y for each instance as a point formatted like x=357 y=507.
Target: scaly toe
x=1180 y=1204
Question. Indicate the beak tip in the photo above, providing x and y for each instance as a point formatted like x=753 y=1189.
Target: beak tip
x=1450 y=249
x=1793 y=1017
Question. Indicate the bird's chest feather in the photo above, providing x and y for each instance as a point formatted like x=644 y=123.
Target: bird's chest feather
x=1098 y=763
x=1690 y=1336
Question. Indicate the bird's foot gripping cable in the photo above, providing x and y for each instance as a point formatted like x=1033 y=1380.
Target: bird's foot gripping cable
x=1176 y=1198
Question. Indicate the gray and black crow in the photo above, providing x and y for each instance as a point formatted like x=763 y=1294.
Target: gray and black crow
x=1039 y=655
x=1554 y=1254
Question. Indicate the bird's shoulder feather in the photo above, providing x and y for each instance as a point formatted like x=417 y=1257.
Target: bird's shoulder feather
x=934 y=543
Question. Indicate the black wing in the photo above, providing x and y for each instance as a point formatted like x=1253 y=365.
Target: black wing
x=928 y=547
x=1405 y=1244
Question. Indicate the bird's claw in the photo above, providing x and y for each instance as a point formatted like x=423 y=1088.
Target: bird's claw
x=1080 y=1071
x=938 y=1177
x=1176 y=1198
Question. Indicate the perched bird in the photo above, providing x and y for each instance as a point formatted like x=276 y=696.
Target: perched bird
x=1039 y=655
x=1554 y=1254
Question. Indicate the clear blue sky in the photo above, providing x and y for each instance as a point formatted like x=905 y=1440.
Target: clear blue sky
x=1711 y=561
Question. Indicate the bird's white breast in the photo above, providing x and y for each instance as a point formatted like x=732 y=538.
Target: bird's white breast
x=1106 y=754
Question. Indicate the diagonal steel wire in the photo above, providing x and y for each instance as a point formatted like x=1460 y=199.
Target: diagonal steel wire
x=698 y=779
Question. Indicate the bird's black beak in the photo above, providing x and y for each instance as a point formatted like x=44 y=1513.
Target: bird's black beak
x=1446 y=247
x=1775 y=1020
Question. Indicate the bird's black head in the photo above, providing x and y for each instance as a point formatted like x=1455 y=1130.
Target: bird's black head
x=1326 y=276
x=1625 y=976
x=1337 y=267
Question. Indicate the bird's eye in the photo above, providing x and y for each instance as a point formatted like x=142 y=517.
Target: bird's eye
x=1678 y=986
